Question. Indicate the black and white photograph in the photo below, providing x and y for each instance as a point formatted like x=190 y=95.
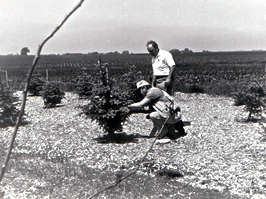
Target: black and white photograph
x=123 y=99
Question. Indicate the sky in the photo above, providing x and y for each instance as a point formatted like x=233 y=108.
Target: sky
x=118 y=25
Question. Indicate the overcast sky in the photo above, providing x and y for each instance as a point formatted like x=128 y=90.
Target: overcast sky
x=117 y=25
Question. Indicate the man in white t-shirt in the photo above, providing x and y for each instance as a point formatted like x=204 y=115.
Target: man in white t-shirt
x=163 y=66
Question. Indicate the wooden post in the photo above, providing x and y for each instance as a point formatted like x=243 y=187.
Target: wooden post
x=7 y=80
x=106 y=73
x=47 y=75
x=0 y=76
x=265 y=76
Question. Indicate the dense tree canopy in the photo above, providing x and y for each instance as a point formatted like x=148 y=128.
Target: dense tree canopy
x=24 y=51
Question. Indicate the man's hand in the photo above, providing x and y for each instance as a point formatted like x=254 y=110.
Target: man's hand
x=139 y=109
x=161 y=85
x=167 y=83
x=153 y=83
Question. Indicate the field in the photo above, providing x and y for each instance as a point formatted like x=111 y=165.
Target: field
x=59 y=153
x=218 y=73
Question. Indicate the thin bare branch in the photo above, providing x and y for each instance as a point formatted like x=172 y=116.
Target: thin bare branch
x=24 y=98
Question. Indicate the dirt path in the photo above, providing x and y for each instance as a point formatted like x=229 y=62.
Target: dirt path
x=57 y=156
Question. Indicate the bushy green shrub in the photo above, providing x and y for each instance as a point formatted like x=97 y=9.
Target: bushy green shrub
x=253 y=104
x=127 y=83
x=108 y=104
x=8 y=110
x=251 y=96
x=195 y=88
x=221 y=87
x=189 y=84
x=239 y=98
x=83 y=85
x=52 y=94
x=36 y=84
x=107 y=107
x=258 y=89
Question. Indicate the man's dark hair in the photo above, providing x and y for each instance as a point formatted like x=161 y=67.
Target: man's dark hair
x=153 y=43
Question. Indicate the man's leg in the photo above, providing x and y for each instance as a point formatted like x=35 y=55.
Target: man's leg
x=179 y=126
x=171 y=131
x=160 y=83
x=153 y=132
x=170 y=88
x=158 y=123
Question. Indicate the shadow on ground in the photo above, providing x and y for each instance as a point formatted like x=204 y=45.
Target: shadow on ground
x=13 y=123
x=118 y=138
x=123 y=138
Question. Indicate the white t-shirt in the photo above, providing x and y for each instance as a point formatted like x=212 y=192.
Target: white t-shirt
x=162 y=63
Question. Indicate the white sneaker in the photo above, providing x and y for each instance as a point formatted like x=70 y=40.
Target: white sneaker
x=163 y=141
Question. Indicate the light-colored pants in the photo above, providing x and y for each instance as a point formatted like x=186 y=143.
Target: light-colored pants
x=158 y=122
x=160 y=84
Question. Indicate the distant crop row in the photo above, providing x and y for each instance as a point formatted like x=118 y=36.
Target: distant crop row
x=209 y=78
x=222 y=80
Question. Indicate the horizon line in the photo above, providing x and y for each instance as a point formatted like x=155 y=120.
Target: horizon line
x=129 y=52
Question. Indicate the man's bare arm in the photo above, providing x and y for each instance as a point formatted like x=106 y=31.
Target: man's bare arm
x=171 y=75
x=140 y=104
x=153 y=80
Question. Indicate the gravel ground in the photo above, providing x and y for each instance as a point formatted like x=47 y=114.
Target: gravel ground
x=219 y=153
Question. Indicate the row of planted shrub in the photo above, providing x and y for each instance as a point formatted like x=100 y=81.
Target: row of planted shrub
x=108 y=95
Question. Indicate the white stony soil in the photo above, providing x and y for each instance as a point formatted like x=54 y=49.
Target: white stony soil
x=219 y=152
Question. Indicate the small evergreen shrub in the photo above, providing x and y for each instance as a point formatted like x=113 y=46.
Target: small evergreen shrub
x=108 y=104
x=251 y=96
x=239 y=98
x=127 y=83
x=180 y=85
x=220 y=87
x=8 y=110
x=108 y=107
x=253 y=104
x=258 y=89
x=36 y=85
x=52 y=94
x=83 y=85
x=193 y=85
x=195 y=88
x=188 y=85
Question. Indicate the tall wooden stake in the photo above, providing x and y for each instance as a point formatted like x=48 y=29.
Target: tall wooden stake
x=7 y=80
x=47 y=75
